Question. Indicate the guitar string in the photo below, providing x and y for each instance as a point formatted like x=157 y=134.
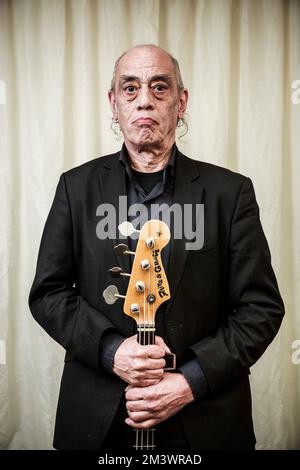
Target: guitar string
x=152 y=335
x=150 y=340
x=147 y=326
x=155 y=296
x=148 y=332
x=139 y=432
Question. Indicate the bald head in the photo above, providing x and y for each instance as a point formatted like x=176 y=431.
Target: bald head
x=131 y=52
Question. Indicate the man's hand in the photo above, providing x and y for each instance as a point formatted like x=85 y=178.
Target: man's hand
x=138 y=365
x=148 y=406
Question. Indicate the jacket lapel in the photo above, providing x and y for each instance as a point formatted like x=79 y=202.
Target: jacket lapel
x=112 y=186
x=187 y=191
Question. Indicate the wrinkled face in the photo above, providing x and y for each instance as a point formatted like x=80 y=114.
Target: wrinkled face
x=145 y=100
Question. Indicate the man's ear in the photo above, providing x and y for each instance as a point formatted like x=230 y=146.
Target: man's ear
x=183 y=103
x=112 y=102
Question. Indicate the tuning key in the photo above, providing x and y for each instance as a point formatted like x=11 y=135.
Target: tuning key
x=123 y=249
x=150 y=242
x=111 y=295
x=145 y=265
x=135 y=308
x=140 y=286
x=127 y=229
x=117 y=272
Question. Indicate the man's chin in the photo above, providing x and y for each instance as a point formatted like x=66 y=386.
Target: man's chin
x=144 y=146
x=145 y=143
x=145 y=140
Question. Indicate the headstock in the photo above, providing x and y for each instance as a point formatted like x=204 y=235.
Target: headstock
x=148 y=286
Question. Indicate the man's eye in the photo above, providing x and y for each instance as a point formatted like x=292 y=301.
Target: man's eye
x=160 y=88
x=130 y=89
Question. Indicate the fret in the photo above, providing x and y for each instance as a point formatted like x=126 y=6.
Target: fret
x=146 y=328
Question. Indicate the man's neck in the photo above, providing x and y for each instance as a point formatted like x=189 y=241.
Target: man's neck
x=148 y=160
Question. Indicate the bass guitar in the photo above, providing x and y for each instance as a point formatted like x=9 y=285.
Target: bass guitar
x=148 y=288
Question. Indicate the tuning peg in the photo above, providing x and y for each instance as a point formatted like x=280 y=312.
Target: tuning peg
x=140 y=286
x=127 y=229
x=135 y=308
x=111 y=295
x=150 y=242
x=123 y=249
x=117 y=272
x=145 y=265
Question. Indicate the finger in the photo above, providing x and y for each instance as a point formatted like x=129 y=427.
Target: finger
x=141 y=405
x=148 y=364
x=135 y=393
x=139 y=392
x=152 y=375
x=149 y=374
x=140 y=416
x=154 y=351
x=149 y=423
x=154 y=364
x=160 y=342
x=145 y=383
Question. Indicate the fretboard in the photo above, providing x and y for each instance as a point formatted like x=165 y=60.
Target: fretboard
x=146 y=334
x=144 y=438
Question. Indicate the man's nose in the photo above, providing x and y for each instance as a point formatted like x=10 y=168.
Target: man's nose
x=145 y=98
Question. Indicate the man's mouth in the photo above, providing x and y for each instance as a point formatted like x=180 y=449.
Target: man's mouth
x=144 y=121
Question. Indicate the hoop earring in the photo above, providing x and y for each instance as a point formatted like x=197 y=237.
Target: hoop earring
x=115 y=127
x=183 y=126
x=180 y=122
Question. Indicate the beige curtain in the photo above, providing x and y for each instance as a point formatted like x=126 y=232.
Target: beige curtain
x=241 y=63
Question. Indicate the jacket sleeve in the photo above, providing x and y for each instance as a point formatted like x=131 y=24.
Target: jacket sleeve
x=256 y=308
x=54 y=301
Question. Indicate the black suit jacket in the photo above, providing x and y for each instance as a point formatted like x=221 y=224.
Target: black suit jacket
x=225 y=307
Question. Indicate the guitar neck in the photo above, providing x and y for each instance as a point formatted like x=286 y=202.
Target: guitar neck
x=144 y=438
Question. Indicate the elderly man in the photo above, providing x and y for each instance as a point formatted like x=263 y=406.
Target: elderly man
x=225 y=307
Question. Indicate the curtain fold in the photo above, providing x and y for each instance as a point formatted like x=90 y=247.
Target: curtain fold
x=240 y=61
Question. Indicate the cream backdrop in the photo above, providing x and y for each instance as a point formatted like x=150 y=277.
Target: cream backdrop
x=240 y=61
